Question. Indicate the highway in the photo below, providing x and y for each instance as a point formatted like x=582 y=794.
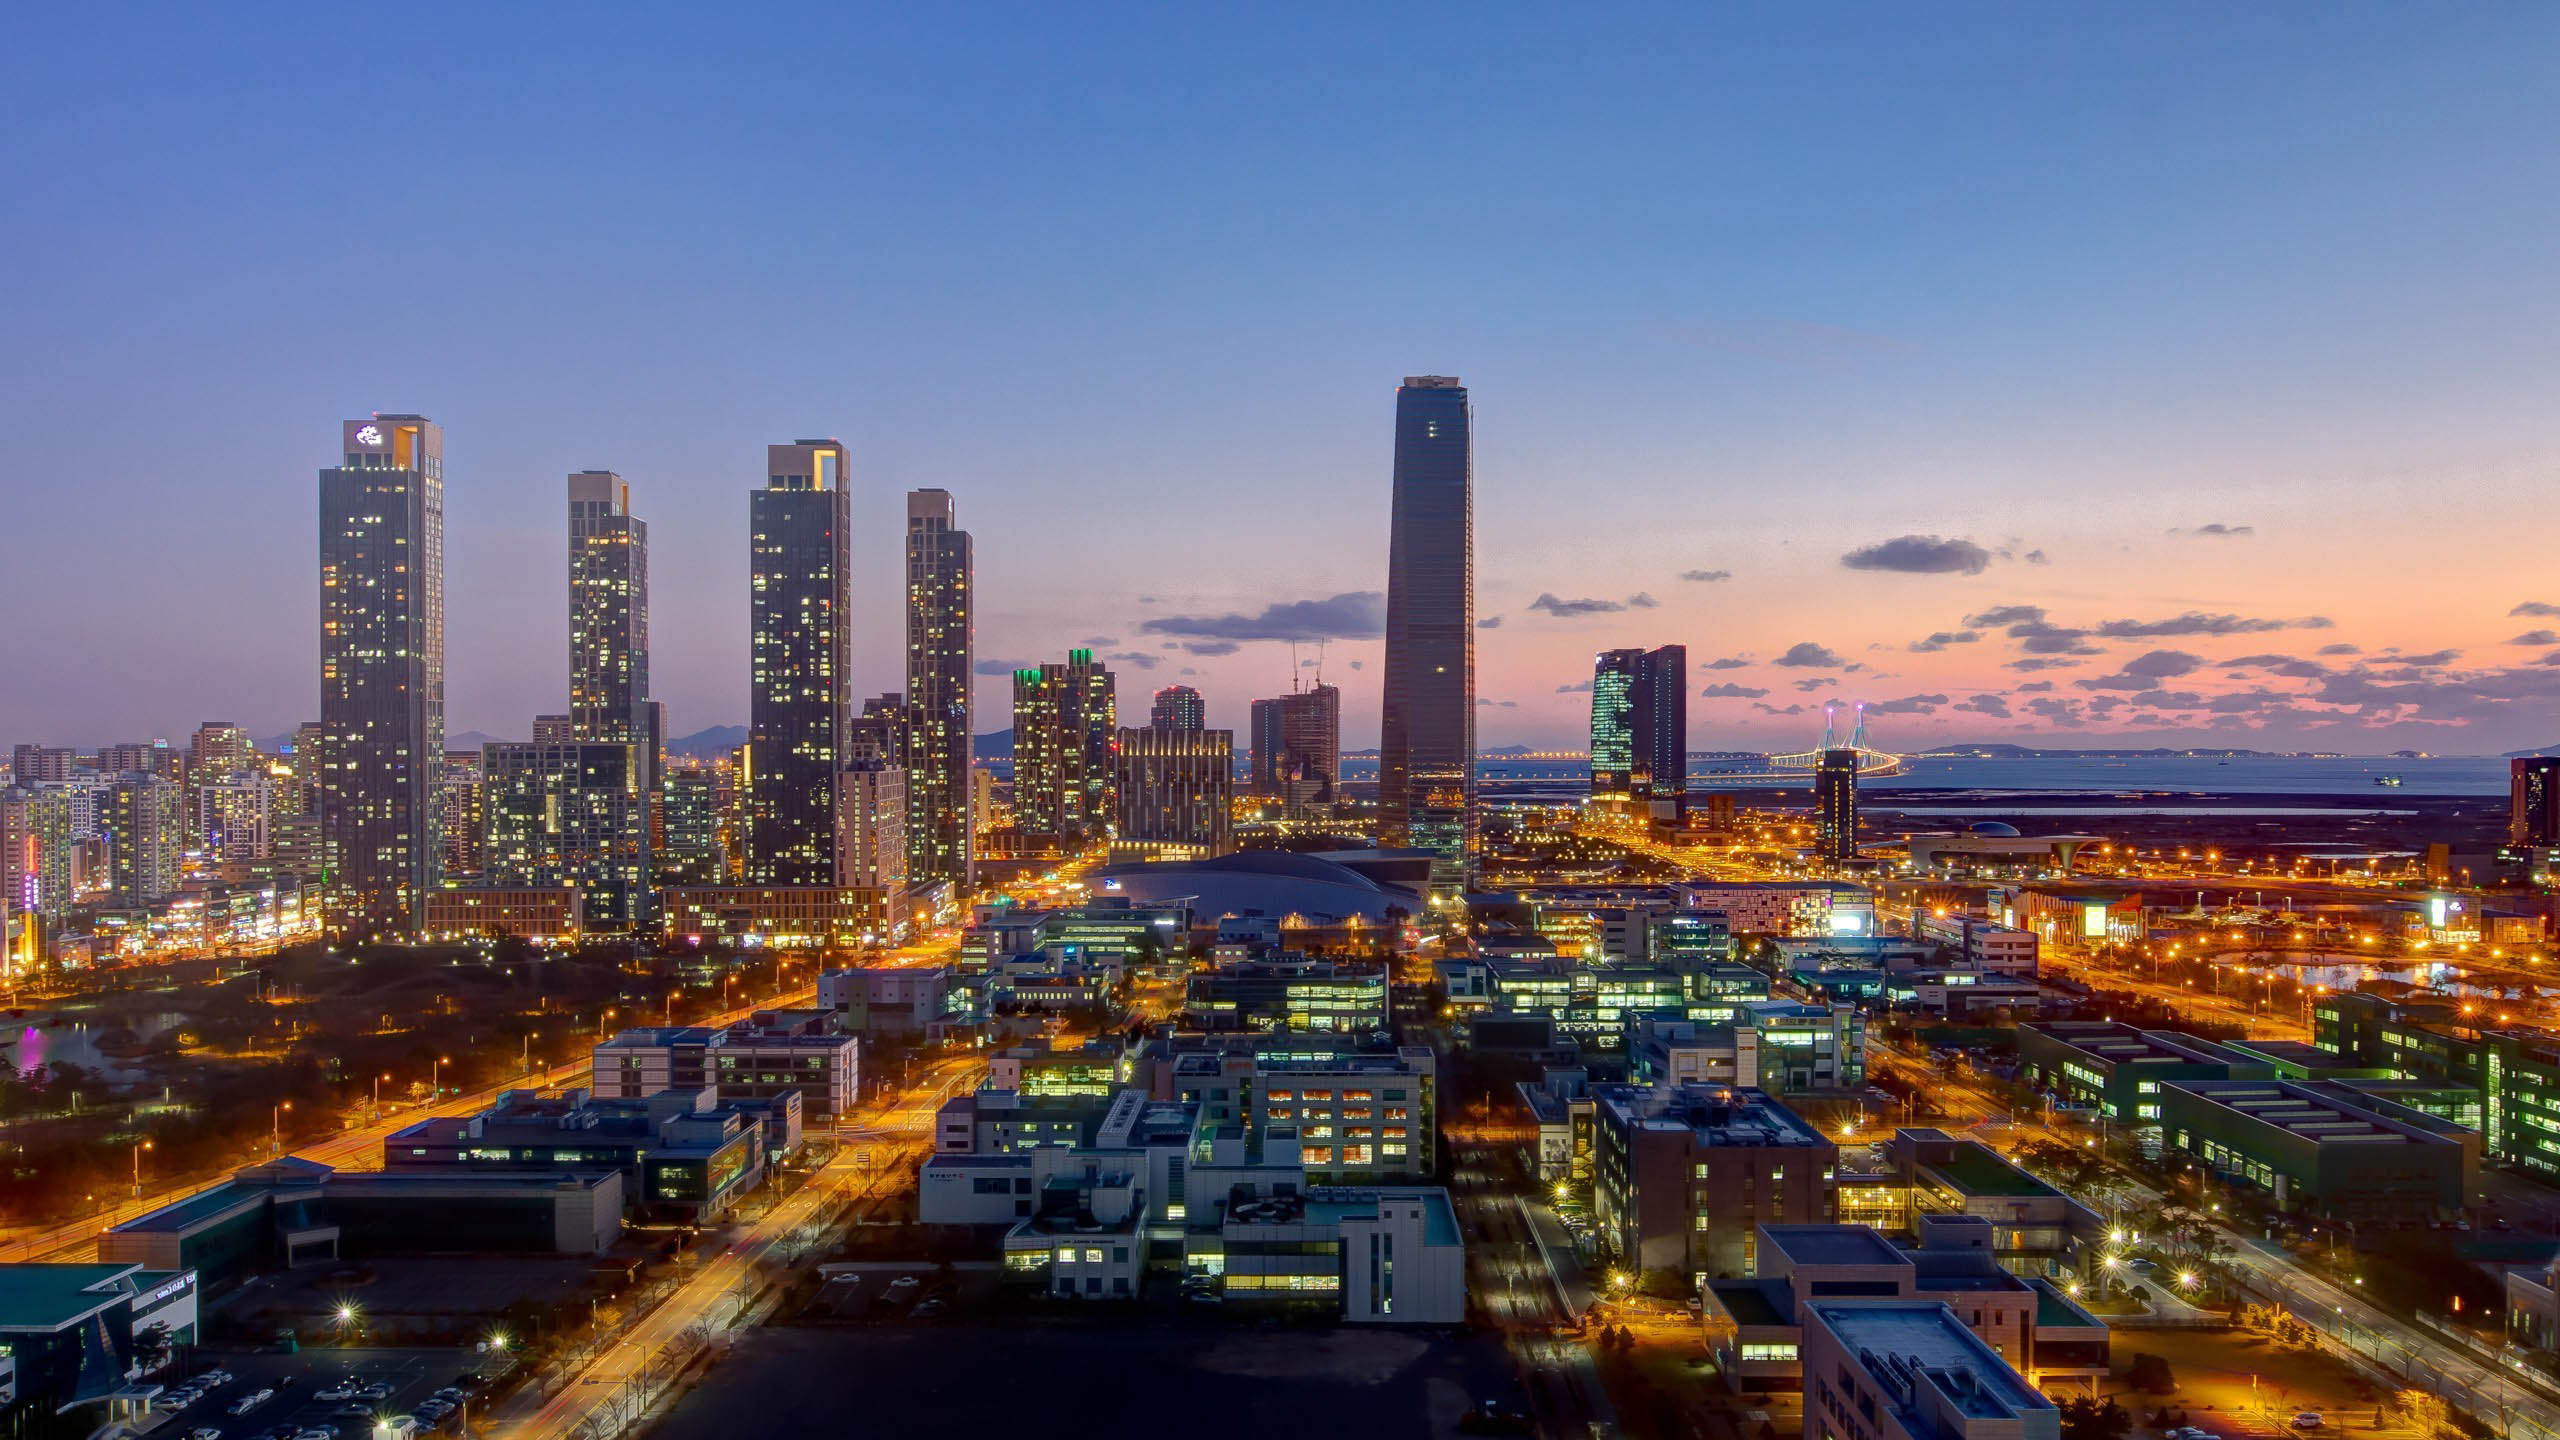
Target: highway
x=618 y=1387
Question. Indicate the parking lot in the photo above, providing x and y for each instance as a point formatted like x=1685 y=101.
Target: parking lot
x=409 y=1378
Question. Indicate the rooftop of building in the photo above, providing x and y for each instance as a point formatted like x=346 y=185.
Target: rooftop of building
x=50 y=1297
x=1714 y=1115
x=1831 y=1245
x=1334 y=1204
x=2117 y=1043
x=1976 y=1169
x=2323 y=1114
x=1753 y=1302
x=1905 y=1345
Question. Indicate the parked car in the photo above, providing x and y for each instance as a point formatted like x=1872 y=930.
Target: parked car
x=900 y=1290
x=212 y=1379
x=251 y=1401
x=2307 y=1420
x=204 y=1432
x=343 y=1390
x=355 y=1410
x=376 y=1391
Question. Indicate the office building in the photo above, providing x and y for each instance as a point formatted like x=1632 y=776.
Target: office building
x=742 y=1062
x=142 y=758
x=1640 y=723
x=1683 y=1176
x=2117 y=1069
x=799 y=639
x=787 y=916
x=569 y=813
x=1427 y=724
x=1296 y=742
x=871 y=826
x=1835 y=807
x=1177 y=707
x=382 y=672
x=218 y=750
x=1063 y=722
x=2533 y=802
x=235 y=815
x=892 y=998
x=941 y=658
x=466 y=824
x=682 y=1155
x=2323 y=1148
x=1350 y=1119
x=31 y=763
x=1173 y=792
x=1290 y=994
x=69 y=1358
x=689 y=827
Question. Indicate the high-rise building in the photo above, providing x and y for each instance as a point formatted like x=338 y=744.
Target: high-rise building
x=2533 y=802
x=36 y=844
x=554 y=730
x=143 y=819
x=941 y=657
x=1427 y=723
x=236 y=815
x=691 y=855
x=1063 y=719
x=800 y=643
x=1835 y=807
x=1613 y=730
x=466 y=821
x=219 y=749
x=1640 y=723
x=382 y=672
x=1296 y=746
x=31 y=763
x=141 y=757
x=568 y=813
x=1177 y=707
x=609 y=650
x=871 y=826
x=1173 y=789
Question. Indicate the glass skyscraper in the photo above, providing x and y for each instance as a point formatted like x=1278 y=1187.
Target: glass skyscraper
x=1064 y=720
x=941 y=655
x=1835 y=807
x=799 y=655
x=1297 y=746
x=1427 y=727
x=609 y=665
x=382 y=673
x=1177 y=707
x=1640 y=723
x=1613 y=721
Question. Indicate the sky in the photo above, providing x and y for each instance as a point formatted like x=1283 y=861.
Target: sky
x=2040 y=373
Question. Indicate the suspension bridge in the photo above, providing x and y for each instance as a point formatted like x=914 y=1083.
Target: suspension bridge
x=1796 y=764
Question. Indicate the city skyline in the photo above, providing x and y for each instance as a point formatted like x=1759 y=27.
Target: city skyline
x=2142 y=467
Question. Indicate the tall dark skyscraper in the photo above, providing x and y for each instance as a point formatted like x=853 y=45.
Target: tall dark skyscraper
x=382 y=673
x=941 y=655
x=1640 y=723
x=799 y=652
x=1835 y=807
x=1613 y=721
x=1427 y=725
x=609 y=676
x=2533 y=802
x=1177 y=707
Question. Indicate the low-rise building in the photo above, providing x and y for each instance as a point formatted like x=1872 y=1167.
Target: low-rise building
x=1288 y=995
x=887 y=998
x=680 y=1153
x=741 y=1062
x=2119 y=1069
x=1910 y=1370
x=2322 y=1148
x=68 y=1341
x=1360 y=1119
x=783 y=916
x=541 y=913
x=1683 y=1176
x=2035 y=1229
x=1383 y=1255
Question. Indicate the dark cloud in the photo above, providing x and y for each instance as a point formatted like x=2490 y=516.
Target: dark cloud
x=1728 y=691
x=1999 y=615
x=1096 y=642
x=1352 y=615
x=1706 y=577
x=2218 y=528
x=1767 y=709
x=1211 y=647
x=2341 y=648
x=1583 y=689
x=1730 y=662
x=1809 y=656
x=2065 y=713
x=1187 y=670
x=2195 y=622
x=1920 y=555
x=2433 y=659
x=1355 y=664
x=2033 y=687
x=2535 y=637
x=1490 y=622
x=1567 y=609
x=1143 y=659
x=2285 y=665
x=2037 y=557
x=1908 y=705
x=1497 y=704
x=1941 y=639
x=1001 y=667
x=2540 y=608
x=1816 y=683
x=2034 y=664
x=1642 y=601
x=1996 y=706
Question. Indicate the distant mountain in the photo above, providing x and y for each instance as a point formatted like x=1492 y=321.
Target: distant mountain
x=1999 y=750
x=471 y=740
x=709 y=744
x=995 y=744
x=2552 y=749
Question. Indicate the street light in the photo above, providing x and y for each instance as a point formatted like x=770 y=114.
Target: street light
x=436 y=1085
x=275 y=1127
x=377 y=1093
x=138 y=1148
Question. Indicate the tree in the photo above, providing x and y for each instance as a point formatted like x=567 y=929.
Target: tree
x=2150 y=1374
x=2095 y=1420
x=151 y=1346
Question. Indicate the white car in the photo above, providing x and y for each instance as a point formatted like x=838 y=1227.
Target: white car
x=251 y=1401
x=340 y=1391
x=213 y=1379
x=2308 y=1420
x=204 y=1432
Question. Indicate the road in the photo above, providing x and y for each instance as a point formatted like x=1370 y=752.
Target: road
x=618 y=1386
x=1506 y=1275
x=358 y=1147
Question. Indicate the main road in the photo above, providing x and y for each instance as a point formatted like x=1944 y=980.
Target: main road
x=621 y=1383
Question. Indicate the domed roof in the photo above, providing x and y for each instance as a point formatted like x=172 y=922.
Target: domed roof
x=1992 y=828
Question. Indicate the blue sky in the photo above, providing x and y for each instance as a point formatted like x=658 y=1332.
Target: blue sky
x=1741 y=289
